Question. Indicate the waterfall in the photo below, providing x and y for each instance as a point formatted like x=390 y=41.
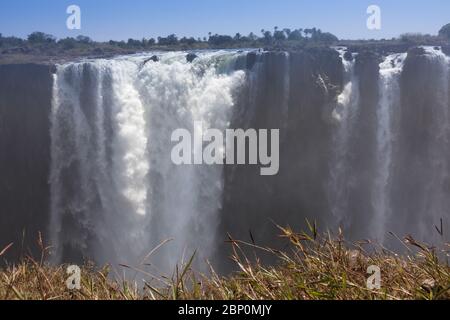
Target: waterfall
x=389 y=104
x=378 y=164
x=286 y=92
x=344 y=115
x=437 y=184
x=115 y=194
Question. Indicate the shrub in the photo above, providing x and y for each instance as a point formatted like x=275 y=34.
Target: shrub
x=445 y=31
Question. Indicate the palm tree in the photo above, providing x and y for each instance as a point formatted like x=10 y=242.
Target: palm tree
x=307 y=32
x=287 y=31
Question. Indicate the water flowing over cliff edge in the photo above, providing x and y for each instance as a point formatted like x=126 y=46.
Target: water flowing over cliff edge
x=85 y=151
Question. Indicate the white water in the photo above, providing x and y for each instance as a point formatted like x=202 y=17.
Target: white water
x=389 y=104
x=345 y=116
x=113 y=184
x=116 y=194
x=437 y=185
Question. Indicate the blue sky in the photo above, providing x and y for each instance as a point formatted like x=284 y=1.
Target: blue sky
x=123 y=19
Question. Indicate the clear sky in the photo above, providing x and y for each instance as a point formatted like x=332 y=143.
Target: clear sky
x=123 y=19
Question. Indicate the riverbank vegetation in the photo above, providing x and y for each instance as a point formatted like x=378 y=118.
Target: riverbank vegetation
x=43 y=47
x=313 y=268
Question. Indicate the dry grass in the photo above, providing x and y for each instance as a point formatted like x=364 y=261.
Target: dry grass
x=316 y=267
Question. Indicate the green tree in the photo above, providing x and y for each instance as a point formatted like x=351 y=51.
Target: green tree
x=40 y=37
x=326 y=37
x=295 y=35
x=287 y=31
x=308 y=32
x=267 y=36
x=187 y=41
x=84 y=39
x=220 y=40
x=279 y=35
x=445 y=31
x=68 y=43
x=252 y=36
x=170 y=40
x=132 y=43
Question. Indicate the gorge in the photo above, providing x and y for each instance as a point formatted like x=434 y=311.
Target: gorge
x=85 y=151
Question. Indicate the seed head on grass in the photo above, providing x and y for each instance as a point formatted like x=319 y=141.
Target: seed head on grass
x=314 y=267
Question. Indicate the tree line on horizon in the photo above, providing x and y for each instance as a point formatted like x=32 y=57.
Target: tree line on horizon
x=276 y=37
x=267 y=37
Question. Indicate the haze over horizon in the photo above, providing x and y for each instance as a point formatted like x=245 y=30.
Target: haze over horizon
x=104 y=20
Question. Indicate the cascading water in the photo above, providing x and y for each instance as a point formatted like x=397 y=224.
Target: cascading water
x=403 y=164
x=286 y=92
x=389 y=104
x=437 y=184
x=380 y=165
x=115 y=192
x=344 y=115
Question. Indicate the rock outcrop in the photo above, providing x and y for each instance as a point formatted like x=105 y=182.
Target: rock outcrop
x=25 y=102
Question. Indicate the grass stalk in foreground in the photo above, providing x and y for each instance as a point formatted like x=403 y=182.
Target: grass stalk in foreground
x=315 y=267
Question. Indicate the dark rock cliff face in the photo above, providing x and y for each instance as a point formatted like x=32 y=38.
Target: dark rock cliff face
x=296 y=93
x=253 y=204
x=422 y=161
x=291 y=92
x=363 y=142
x=25 y=102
